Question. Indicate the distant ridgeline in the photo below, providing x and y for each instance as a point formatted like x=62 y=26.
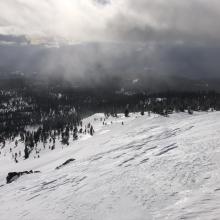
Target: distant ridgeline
x=57 y=111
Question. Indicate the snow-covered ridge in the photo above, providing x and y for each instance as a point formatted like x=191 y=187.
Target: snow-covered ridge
x=146 y=168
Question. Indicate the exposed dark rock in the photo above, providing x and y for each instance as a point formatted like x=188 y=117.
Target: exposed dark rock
x=65 y=163
x=12 y=176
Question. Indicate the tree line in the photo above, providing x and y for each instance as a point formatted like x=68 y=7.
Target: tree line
x=58 y=112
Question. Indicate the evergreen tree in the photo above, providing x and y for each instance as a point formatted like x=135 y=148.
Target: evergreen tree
x=127 y=111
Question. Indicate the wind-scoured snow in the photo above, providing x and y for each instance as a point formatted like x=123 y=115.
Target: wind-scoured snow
x=147 y=168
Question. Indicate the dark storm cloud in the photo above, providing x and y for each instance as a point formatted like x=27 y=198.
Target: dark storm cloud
x=13 y=39
x=172 y=20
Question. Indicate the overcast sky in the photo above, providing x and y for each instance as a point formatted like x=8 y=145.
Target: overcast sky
x=112 y=20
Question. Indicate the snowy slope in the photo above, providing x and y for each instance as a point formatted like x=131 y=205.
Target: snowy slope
x=149 y=168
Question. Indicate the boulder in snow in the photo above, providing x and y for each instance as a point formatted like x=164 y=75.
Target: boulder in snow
x=65 y=163
x=12 y=176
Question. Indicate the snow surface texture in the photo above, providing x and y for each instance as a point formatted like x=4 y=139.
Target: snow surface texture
x=149 y=168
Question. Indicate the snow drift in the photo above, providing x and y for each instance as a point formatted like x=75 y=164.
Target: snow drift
x=148 y=168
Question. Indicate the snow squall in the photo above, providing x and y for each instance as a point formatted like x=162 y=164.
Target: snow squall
x=149 y=168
